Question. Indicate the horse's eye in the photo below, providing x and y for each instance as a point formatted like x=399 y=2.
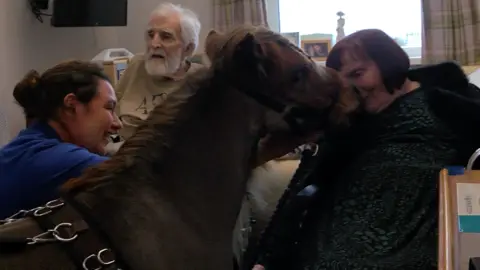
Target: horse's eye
x=299 y=74
x=297 y=77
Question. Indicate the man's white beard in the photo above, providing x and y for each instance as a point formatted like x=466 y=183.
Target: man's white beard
x=166 y=66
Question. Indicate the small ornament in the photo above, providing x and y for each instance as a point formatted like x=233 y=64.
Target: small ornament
x=340 y=25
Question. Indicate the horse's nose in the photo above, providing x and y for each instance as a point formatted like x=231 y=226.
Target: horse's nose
x=275 y=122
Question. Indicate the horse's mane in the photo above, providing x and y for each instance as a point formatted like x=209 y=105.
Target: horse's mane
x=153 y=139
x=225 y=44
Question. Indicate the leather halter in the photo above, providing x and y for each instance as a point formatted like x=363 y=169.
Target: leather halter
x=60 y=224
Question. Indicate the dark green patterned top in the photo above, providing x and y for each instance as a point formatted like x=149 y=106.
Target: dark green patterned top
x=377 y=202
x=380 y=211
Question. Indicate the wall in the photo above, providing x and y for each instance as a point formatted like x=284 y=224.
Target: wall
x=475 y=77
x=28 y=44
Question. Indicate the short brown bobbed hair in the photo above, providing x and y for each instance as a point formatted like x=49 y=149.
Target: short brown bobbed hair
x=377 y=46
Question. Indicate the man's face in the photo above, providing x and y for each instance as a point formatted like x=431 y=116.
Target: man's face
x=165 y=48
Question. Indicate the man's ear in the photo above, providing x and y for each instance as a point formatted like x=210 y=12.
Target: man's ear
x=189 y=50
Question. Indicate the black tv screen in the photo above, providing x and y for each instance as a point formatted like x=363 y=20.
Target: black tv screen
x=78 y=13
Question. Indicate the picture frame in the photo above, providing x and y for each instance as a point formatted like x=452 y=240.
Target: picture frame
x=294 y=37
x=318 y=49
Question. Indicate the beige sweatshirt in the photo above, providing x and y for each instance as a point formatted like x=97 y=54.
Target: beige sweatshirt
x=138 y=93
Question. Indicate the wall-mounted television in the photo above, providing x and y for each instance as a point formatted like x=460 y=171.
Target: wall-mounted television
x=83 y=13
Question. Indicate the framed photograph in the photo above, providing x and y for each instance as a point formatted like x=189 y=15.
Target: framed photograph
x=294 y=37
x=318 y=49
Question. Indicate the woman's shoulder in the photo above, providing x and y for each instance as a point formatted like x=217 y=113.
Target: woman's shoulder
x=33 y=167
x=45 y=155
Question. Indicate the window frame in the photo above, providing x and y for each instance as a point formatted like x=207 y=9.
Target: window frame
x=273 y=18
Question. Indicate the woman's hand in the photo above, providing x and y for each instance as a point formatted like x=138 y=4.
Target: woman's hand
x=258 y=267
x=279 y=144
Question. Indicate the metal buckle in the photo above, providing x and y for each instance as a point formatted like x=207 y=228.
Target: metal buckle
x=48 y=208
x=100 y=259
x=312 y=147
x=53 y=235
x=87 y=259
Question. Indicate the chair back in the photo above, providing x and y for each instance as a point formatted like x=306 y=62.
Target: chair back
x=459 y=216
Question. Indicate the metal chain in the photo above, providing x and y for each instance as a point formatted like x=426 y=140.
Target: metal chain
x=246 y=231
x=52 y=235
x=101 y=258
x=37 y=211
x=55 y=235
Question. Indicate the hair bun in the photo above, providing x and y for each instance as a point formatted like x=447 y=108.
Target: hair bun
x=26 y=92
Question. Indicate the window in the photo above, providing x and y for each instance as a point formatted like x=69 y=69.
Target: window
x=402 y=20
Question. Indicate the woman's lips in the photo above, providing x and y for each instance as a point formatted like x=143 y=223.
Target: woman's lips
x=106 y=139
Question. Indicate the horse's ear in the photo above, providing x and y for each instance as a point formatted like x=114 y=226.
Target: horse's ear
x=212 y=32
x=248 y=51
x=212 y=44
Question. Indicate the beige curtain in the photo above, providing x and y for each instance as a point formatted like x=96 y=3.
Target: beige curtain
x=231 y=13
x=4 y=129
x=451 y=31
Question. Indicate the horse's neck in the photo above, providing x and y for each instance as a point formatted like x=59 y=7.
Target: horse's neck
x=179 y=213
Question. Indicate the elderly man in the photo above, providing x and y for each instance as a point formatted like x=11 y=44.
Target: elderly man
x=171 y=37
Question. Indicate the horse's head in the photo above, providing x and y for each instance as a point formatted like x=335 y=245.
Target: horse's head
x=282 y=77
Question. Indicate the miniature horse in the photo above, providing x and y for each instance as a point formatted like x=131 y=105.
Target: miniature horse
x=170 y=197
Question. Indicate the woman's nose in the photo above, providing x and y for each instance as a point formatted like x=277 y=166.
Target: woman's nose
x=116 y=124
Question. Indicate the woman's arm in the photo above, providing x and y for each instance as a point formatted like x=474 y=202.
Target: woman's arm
x=277 y=145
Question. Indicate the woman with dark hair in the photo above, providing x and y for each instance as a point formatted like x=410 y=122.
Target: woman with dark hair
x=72 y=109
x=369 y=199
x=375 y=65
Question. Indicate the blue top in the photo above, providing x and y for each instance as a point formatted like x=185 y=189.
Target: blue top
x=34 y=164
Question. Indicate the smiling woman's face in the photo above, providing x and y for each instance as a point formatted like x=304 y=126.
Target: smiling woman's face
x=365 y=75
x=90 y=124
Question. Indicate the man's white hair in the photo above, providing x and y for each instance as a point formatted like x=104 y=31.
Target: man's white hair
x=189 y=24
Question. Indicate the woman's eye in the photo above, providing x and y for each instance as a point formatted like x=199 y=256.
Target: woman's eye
x=356 y=74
